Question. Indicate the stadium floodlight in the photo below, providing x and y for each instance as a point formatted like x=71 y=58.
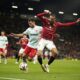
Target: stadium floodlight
x=75 y=14
x=30 y=9
x=61 y=12
x=14 y=6
x=35 y=16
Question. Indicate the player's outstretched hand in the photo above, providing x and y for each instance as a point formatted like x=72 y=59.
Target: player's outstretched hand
x=78 y=20
x=47 y=11
x=11 y=34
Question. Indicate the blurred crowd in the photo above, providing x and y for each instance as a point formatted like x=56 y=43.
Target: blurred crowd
x=69 y=45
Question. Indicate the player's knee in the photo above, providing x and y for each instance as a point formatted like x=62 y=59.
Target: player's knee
x=23 y=55
x=54 y=52
x=4 y=54
x=39 y=53
x=29 y=59
x=20 y=55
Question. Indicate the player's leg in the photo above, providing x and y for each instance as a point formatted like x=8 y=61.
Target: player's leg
x=54 y=52
x=0 y=57
x=51 y=46
x=21 y=51
x=51 y=59
x=32 y=54
x=1 y=51
x=46 y=53
x=26 y=53
x=24 y=56
x=5 y=56
x=16 y=57
x=17 y=54
x=35 y=59
x=41 y=46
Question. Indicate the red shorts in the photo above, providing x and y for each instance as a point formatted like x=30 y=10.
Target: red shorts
x=31 y=52
x=3 y=50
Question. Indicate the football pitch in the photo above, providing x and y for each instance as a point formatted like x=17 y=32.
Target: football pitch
x=59 y=70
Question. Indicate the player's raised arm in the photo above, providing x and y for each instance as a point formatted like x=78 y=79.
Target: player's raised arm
x=42 y=17
x=68 y=24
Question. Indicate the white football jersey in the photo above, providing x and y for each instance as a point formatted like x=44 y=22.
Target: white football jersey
x=34 y=36
x=3 y=41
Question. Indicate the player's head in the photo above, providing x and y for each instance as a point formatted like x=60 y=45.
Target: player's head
x=2 y=33
x=51 y=18
x=31 y=22
x=24 y=36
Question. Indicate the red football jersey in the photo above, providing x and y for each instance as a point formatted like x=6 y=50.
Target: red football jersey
x=48 y=31
x=23 y=42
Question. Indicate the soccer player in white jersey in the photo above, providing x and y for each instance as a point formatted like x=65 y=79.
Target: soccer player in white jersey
x=33 y=32
x=3 y=46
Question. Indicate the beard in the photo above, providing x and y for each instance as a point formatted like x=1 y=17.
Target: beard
x=51 y=23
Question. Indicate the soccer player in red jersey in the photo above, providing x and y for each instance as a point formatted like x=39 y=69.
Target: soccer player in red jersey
x=48 y=33
x=23 y=42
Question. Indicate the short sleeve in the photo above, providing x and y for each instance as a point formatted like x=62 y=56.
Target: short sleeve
x=6 y=40
x=26 y=31
x=40 y=28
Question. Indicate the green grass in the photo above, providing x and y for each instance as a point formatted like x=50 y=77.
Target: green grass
x=59 y=70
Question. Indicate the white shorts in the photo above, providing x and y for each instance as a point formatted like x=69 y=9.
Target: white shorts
x=21 y=51
x=46 y=43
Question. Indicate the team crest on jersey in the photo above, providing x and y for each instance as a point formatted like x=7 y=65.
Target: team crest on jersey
x=36 y=30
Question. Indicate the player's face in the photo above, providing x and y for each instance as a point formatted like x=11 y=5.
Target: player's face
x=52 y=19
x=24 y=36
x=31 y=23
x=2 y=33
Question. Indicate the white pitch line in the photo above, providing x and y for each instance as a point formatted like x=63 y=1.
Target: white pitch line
x=10 y=78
